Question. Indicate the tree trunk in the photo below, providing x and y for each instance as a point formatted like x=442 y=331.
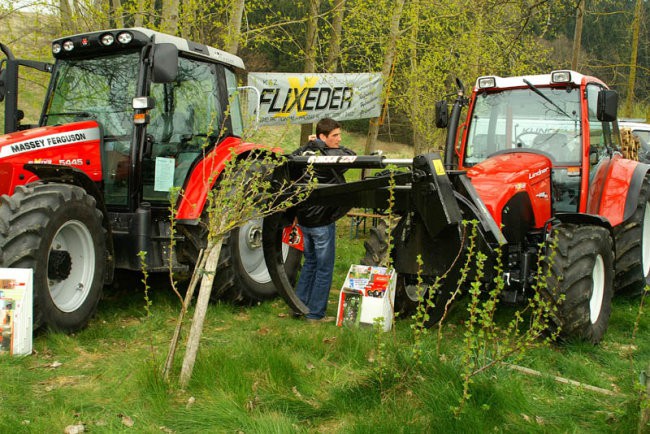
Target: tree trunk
x=173 y=345
x=191 y=350
x=310 y=57
x=234 y=26
x=635 y=48
x=169 y=19
x=117 y=13
x=389 y=58
x=335 y=36
x=415 y=87
x=138 y=19
x=65 y=13
x=577 y=37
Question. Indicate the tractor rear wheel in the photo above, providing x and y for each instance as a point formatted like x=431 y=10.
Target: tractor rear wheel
x=580 y=281
x=242 y=275
x=406 y=288
x=633 y=247
x=57 y=231
x=243 y=268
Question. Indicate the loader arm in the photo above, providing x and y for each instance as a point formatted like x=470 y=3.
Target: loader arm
x=426 y=190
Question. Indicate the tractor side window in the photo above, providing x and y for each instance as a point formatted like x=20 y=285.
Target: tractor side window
x=234 y=104
x=601 y=134
x=102 y=89
x=187 y=118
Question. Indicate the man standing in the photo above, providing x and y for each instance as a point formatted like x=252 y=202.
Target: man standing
x=318 y=224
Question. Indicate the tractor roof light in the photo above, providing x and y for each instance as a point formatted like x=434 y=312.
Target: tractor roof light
x=68 y=45
x=561 y=77
x=107 y=39
x=124 y=38
x=56 y=48
x=486 y=82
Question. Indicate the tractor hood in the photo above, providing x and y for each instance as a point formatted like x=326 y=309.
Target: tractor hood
x=514 y=172
x=76 y=144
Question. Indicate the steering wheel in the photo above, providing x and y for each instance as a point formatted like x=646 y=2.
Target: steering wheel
x=518 y=141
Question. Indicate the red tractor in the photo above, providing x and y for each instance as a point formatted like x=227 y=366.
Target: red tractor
x=536 y=163
x=128 y=114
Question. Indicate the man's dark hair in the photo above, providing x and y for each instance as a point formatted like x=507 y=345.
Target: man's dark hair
x=326 y=126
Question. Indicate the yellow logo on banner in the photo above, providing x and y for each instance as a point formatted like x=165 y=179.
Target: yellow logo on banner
x=296 y=97
x=439 y=167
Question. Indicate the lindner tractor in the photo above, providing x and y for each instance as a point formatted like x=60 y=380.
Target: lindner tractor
x=128 y=114
x=537 y=164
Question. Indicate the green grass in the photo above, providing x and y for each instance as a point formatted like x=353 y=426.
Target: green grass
x=259 y=370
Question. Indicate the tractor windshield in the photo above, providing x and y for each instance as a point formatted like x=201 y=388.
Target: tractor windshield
x=101 y=88
x=522 y=118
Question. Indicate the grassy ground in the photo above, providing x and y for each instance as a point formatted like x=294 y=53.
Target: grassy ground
x=259 y=370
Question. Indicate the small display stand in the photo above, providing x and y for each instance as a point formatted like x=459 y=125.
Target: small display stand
x=367 y=294
x=16 y=311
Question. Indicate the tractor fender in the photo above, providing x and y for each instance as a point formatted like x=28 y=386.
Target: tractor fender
x=204 y=175
x=577 y=218
x=71 y=175
x=620 y=193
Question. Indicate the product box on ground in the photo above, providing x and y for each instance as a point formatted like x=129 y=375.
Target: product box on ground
x=16 y=311
x=367 y=294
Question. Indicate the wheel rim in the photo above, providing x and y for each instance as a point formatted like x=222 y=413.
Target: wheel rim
x=645 y=241
x=251 y=252
x=68 y=293
x=598 y=289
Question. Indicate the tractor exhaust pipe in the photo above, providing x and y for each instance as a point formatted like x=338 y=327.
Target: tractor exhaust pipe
x=452 y=128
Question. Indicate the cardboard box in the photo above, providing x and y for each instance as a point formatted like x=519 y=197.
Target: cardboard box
x=16 y=321
x=367 y=294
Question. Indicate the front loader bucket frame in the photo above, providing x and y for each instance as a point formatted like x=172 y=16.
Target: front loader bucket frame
x=425 y=190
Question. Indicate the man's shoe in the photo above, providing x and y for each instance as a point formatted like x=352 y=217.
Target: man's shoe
x=323 y=319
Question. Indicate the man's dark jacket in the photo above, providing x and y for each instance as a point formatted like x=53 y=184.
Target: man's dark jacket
x=322 y=215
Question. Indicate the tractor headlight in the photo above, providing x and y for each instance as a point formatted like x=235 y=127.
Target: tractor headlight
x=485 y=82
x=124 y=38
x=56 y=48
x=68 y=45
x=561 y=77
x=107 y=39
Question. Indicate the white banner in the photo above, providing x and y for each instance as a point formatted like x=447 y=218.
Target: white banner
x=304 y=98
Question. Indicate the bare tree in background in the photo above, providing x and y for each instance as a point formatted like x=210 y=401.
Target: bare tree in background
x=389 y=58
x=310 y=56
x=234 y=26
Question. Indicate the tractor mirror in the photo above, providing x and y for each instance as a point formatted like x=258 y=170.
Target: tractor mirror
x=165 y=63
x=607 y=106
x=442 y=114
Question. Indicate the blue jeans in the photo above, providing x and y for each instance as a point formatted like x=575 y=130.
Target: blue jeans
x=316 y=275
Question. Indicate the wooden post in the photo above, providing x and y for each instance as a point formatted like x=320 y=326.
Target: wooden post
x=192 y=348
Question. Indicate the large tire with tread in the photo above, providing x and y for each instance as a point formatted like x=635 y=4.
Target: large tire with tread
x=406 y=288
x=580 y=281
x=633 y=247
x=242 y=275
x=56 y=230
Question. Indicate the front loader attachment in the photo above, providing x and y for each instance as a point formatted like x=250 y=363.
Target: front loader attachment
x=424 y=196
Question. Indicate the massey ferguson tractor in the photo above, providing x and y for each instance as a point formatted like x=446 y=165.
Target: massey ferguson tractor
x=128 y=114
x=536 y=164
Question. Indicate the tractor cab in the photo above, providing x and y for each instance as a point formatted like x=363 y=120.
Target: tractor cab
x=553 y=119
x=156 y=121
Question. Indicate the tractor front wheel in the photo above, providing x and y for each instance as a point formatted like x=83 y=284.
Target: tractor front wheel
x=580 y=281
x=633 y=246
x=57 y=231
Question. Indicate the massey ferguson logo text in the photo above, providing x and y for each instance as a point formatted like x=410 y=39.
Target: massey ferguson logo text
x=50 y=141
